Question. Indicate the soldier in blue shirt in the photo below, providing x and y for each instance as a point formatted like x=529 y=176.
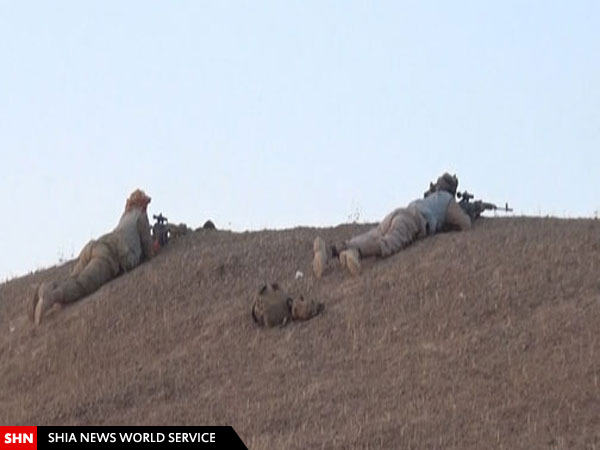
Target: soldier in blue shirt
x=435 y=212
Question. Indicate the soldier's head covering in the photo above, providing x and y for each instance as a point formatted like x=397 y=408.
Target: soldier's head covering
x=447 y=182
x=137 y=199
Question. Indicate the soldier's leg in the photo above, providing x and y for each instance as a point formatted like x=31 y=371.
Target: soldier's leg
x=362 y=246
x=320 y=256
x=47 y=295
x=94 y=275
x=34 y=297
x=350 y=259
x=98 y=271
x=404 y=229
x=103 y=266
x=368 y=244
x=84 y=258
x=456 y=218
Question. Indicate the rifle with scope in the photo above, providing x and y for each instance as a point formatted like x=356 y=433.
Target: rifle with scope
x=474 y=208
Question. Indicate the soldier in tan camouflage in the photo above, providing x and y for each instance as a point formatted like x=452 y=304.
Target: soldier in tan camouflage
x=423 y=217
x=101 y=260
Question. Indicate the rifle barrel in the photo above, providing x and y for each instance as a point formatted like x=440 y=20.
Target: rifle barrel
x=504 y=208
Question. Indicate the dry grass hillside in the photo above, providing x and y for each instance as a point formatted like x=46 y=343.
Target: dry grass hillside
x=484 y=339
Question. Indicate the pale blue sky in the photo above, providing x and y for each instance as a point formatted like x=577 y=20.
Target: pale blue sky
x=276 y=114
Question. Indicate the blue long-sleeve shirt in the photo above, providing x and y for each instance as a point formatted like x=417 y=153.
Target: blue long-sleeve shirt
x=434 y=208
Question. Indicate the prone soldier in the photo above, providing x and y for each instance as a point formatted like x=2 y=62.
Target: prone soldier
x=438 y=211
x=101 y=260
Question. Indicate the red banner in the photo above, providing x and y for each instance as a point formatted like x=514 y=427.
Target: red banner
x=18 y=438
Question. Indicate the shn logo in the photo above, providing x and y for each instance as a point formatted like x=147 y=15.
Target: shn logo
x=18 y=438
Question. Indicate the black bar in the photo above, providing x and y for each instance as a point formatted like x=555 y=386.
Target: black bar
x=114 y=437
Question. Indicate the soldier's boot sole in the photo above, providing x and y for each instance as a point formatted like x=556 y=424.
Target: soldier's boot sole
x=320 y=257
x=40 y=309
x=351 y=260
x=44 y=302
x=34 y=299
x=342 y=258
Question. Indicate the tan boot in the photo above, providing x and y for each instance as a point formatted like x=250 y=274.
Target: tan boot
x=320 y=258
x=342 y=259
x=46 y=298
x=34 y=298
x=351 y=259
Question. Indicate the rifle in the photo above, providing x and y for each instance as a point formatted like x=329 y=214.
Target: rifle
x=476 y=207
x=160 y=230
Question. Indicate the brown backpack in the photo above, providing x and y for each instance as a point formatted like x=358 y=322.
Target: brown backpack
x=273 y=306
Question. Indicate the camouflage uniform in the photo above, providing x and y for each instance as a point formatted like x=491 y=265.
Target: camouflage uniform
x=103 y=259
x=423 y=217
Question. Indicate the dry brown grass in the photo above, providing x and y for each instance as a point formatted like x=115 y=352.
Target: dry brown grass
x=486 y=339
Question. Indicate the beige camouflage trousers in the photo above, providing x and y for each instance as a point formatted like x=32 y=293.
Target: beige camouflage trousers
x=402 y=227
x=396 y=231
x=96 y=265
